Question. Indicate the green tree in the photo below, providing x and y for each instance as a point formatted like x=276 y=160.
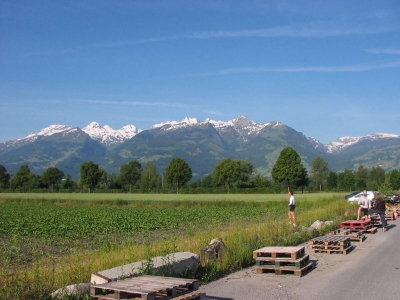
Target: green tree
x=332 y=180
x=288 y=168
x=178 y=173
x=246 y=170
x=68 y=182
x=361 y=177
x=319 y=171
x=346 y=180
x=376 y=177
x=107 y=181
x=261 y=181
x=394 y=177
x=150 y=178
x=130 y=173
x=304 y=180
x=21 y=178
x=51 y=177
x=386 y=188
x=208 y=181
x=90 y=174
x=226 y=172
x=4 y=177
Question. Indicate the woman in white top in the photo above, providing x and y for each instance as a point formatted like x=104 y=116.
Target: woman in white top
x=292 y=206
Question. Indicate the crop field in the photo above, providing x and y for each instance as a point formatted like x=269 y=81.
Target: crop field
x=41 y=234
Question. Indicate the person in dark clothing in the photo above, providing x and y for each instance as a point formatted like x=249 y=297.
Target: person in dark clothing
x=379 y=208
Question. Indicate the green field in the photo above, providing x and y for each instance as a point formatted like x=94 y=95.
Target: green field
x=165 y=197
x=41 y=234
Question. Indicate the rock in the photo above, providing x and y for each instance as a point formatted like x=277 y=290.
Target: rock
x=77 y=290
x=214 y=250
x=317 y=224
x=172 y=264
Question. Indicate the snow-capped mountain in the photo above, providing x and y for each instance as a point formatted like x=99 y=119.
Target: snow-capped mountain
x=318 y=145
x=52 y=129
x=103 y=134
x=243 y=125
x=106 y=135
x=347 y=141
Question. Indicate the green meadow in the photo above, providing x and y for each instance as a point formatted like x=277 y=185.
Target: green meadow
x=49 y=241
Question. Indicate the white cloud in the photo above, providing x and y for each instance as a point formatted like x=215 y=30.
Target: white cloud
x=137 y=103
x=384 y=51
x=331 y=69
x=313 y=30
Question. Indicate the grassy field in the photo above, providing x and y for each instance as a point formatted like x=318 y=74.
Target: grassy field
x=166 y=197
x=51 y=240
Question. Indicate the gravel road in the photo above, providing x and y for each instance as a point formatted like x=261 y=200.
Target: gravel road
x=370 y=271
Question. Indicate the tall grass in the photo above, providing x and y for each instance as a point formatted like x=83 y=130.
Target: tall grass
x=37 y=279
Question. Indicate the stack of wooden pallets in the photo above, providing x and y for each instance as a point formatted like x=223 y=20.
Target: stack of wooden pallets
x=389 y=215
x=364 y=226
x=148 y=288
x=331 y=244
x=282 y=260
x=356 y=236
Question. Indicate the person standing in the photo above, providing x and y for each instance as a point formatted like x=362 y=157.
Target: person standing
x=364 y=204
x=292 y=206
x=380 y=208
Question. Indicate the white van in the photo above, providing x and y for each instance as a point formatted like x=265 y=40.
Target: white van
x=370 y=195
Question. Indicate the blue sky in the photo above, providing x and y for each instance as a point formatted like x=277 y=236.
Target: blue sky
x=325 y=68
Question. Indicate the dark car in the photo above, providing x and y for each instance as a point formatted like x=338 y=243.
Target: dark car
x=395 y=198
x=351 y=195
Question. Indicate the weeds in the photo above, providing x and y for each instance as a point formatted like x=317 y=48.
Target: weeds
x=33 y=265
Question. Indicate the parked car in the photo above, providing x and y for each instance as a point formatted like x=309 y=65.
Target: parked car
x=351 y=195
x=370 y=195
x=395 y=198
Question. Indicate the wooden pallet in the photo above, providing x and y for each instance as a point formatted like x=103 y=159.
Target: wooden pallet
x=356 y=236
x=330 y=251
x=282 y=262
x=285 y=270
x=147 y=288
x=330 y=240
x=389 y=216
x=280 y=252
x=341 y=232
x=353 y=224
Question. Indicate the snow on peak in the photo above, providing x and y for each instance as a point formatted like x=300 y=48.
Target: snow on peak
x=107 y=135
x=52 y=129
x=347 y=141
x=243 y=125
x=174 y=124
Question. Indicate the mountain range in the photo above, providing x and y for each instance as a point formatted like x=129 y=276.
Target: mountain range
x=201 y=143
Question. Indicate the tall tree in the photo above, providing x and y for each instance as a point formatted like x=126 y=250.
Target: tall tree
x=52 y=176
x=150 y=178
x=246 y=170
x=361 y=177
x=376 y=177
x=319 y=171
x=394 y=177
x=346 y=180
x=4 y=177
x=332 y=180
x=304 y=180
x=21 y=177
x=226 y=172
x=288 y=168
x=178 y=173
x=68 y=182
x=90 y=174
x=130 y=173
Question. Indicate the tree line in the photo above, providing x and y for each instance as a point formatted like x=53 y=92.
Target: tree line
x=228 y=176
